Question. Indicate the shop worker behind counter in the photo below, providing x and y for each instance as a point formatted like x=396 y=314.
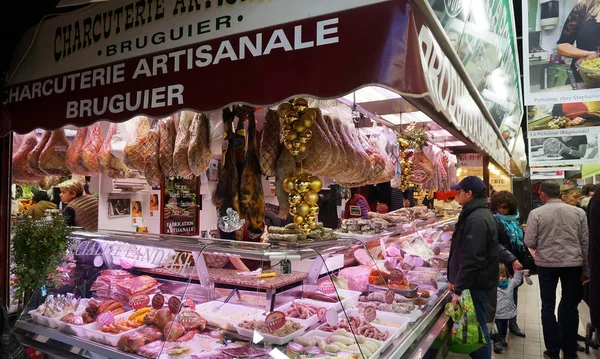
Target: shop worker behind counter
x=557 y=233
x=82 y=209
x=473 y=262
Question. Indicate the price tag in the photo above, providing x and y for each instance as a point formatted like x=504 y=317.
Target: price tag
x=326 y=285
x=139 y=301
x=390 y=296
x=370 y=314
x=158 y=301
x=174 y=304
x=189 y=319
x=105 y=318
x=332 y=317
x=275 y=320
x=321 y=313
x=396 y=276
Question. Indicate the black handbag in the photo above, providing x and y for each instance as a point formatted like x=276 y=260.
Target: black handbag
x=10 y=347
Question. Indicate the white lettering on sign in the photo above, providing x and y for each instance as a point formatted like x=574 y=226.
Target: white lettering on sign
x=451 y=97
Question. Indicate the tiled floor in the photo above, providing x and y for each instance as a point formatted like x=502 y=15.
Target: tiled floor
x=529 y=319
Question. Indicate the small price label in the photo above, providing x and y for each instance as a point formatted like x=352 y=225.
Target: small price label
x=139 y=301
x=158 y=301
x=390 y=296
x=275 y=320
x=105 y=318
x=332 y=317
x=174 y=304
x=321 y=313
x=370 y=314
x=189 y=319
x=326 y=285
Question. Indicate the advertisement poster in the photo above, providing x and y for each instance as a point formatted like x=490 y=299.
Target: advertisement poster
x=564 y=134
x=136 y=214
x=119 y=207
x=179 y=206
x=154 y=206
x=561 y=61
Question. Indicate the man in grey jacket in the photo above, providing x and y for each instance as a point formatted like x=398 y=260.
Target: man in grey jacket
x=557 y=233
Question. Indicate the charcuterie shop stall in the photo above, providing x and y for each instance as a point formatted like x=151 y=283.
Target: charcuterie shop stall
x=178 y=171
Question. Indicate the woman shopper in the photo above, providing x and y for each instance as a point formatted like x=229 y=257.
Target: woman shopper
x=510 y=236
x=41 y=202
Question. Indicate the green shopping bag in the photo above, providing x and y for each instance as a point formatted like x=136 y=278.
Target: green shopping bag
x=466 y=335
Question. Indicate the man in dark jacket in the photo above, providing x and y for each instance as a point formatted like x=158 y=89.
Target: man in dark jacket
x=473 y=262
x=593 y=213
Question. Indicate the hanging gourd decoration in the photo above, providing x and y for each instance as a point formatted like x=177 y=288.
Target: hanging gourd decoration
x=298 y=119
x=303 y=196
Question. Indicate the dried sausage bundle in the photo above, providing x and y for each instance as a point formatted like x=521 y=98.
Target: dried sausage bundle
x=33 y=158
x=252 y=199
x=199 y=148
x=269 y=144
x=167 y=133
x=74 y=152
x=182 y=143
x=53 y=159
x=91 y=148
x=110 y=165
x=136 y=148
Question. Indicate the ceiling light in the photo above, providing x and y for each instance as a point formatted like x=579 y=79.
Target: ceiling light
x=371 y=93
x=455 y=144
x=416 y=116
x=439 y=133
x=393 y=119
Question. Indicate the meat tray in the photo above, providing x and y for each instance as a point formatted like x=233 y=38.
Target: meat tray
x=322 y=334
x=43 y=320
x=236 y=312
x=395 y=323
x=77 y=330
x=310 y=320
x=271 y=339
x=408 y=293
x=95 y=333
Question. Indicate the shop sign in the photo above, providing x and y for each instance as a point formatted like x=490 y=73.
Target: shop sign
x=470 y=160
x=484 y=36
x=548 y=76
x=450 y=96
x=117 y=59
x=179 y=211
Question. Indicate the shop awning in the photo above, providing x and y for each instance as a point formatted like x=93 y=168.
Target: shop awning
x=121 y=58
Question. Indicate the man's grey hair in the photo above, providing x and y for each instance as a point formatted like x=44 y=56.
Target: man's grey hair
x=551 y=189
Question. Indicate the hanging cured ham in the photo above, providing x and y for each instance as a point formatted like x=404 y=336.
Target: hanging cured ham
x=252 y=199
x=91 y=148
x=167 y=133
x=182 y=144
x=269 y=144
x=74 y=153
x=152 y=165
x=33 y=158
x=136 y=147
x=110 y=165
x=21 y=170
x=53 y=159
x=227 y=193
x=199 y=149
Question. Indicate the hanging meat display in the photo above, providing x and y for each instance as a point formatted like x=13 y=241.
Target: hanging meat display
x=252 y=199
x=269 y=144
x=167 y=132
x=318 y=154
x=151 y=162
x=199 y=148
x=227 y=192
x=33 y=158
x=182 y=143
x=110 y=165
x=53 y=159
x=21 y=171
x=74 y=152
x=136 y=147
x=91 y=148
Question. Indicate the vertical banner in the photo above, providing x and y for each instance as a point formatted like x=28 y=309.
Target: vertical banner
x=561 y=62
x=564 y=133
x=179 y=201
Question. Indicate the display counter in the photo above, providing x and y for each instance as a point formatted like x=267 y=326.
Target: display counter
x=121 y=295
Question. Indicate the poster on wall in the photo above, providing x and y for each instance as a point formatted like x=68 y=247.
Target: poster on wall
x=564 y=133
x=179 y=206
x=136 y=214
x=119 y=207
x=154 y=206
x=561 y=52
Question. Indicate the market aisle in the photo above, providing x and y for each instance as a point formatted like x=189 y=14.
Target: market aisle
x=531 y=347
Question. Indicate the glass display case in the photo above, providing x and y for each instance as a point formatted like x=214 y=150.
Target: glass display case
x=133 y=295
